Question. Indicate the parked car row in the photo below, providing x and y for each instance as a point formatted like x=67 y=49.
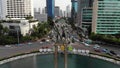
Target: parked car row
x=97 y=48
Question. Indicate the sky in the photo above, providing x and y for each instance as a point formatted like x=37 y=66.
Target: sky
x=61 y=3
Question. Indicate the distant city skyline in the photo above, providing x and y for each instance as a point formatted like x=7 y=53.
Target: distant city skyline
x=61 y=3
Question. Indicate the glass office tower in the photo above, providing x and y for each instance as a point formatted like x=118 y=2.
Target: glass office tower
x=86 y=17
x=74 y=5
x=82 y=4
x=106 y=17
x=50 y=8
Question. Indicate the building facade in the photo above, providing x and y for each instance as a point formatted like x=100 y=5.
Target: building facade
x=74 y=10
x=74 y=5
x=82 y=4
x=106 y=17
x=40 y=17
x=16 y=9
x=50 y=8
x=57 y=11
x=87 y=19
x=61 y=13
x=23 y=26
x=68 y=10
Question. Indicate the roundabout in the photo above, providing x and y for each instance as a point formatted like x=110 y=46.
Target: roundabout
x=45 y=58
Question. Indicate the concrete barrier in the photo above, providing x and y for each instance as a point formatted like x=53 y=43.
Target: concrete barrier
x=105 y=58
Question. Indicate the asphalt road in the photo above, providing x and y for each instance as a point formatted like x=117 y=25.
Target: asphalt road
x=24 y=48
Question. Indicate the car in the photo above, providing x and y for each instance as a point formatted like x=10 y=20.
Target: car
x=47 y=40
x=109 y=53
x=97 y=49
x=112 y=52
x=96 y=46
x=118 y=56
x=43 y=40
x=20 y=44
x=7 y=46
x=76 y=40
x=48 y=36
x=86 y=44
x=83 y=42
x=105 y=50
x=29 y=43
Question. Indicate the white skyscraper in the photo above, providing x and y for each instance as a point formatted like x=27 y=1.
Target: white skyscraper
x=16 y=9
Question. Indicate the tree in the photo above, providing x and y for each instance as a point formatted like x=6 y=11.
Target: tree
x=89 y=29
x=1 y=29
x=5 y=31
x=29 y=17
x=50 y=22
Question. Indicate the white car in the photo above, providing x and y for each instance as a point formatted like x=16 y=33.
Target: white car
x=7 y=46
x=96 y=46
x=41 y=42
x=86 y=44
x=29 y=43
x=76 y=39
x=47 y=40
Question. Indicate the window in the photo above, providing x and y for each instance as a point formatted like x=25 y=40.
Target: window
x=12 y=27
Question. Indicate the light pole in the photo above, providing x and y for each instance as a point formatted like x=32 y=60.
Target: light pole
x=65 y=57
x=55 y=56
x=65 y=48
x=17 y=28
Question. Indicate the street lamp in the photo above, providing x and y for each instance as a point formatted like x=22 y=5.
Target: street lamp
x=17 y=28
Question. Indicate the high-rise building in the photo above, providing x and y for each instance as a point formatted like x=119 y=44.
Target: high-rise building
x=16 y=9
x=40 y=17
x=50 y=8
x=61 y=13
x=82 y=4
x=87 y=14
x=74 y=5
x=43 y=11
x=64 y=14
x=87 y=19
x=106 y=17
x=35 y=9
x=39 y=10
x=74 y=10
x=68 y=11
x=57 y=11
